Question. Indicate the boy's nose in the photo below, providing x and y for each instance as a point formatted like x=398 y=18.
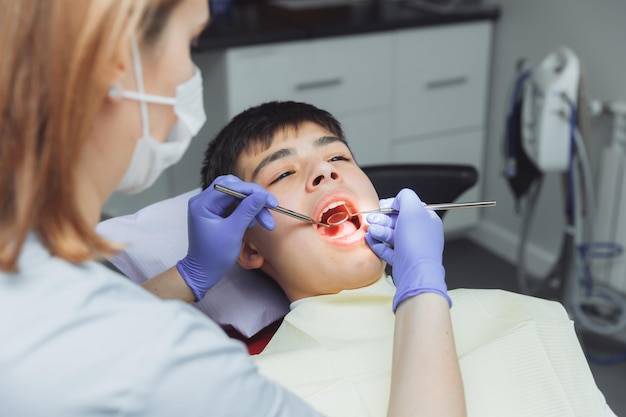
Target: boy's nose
x=325 y=172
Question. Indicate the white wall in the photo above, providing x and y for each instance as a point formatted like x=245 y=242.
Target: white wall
x=596 y=31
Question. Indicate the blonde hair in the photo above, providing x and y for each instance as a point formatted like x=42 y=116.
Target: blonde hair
x=58 y=60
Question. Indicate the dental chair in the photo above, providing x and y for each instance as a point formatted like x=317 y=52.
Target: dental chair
x=434 y=183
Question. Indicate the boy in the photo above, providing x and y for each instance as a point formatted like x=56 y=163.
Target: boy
x=334 y=347
x=299 y=154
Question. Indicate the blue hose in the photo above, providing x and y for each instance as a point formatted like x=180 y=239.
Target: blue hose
x=609 y=360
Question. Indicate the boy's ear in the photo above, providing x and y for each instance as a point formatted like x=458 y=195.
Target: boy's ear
x=249 y=256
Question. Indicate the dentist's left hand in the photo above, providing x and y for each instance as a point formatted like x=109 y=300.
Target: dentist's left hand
x=412 y=242
x=214 y=240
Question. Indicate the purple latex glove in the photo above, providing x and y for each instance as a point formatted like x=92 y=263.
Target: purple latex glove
x=215 y=241
x=412 y=242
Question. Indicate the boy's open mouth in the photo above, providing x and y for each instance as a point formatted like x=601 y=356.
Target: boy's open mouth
x=338 y=215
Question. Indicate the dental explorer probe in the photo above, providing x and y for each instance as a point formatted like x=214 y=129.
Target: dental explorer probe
x=346 y=216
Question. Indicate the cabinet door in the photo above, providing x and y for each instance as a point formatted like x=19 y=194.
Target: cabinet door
x=347 y=74
x=465 y=148
x=441 y=78
x=339 y=75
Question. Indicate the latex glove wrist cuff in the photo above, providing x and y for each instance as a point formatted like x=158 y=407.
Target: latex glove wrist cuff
x=193 y=277
x=424 y=277
x=400 y=297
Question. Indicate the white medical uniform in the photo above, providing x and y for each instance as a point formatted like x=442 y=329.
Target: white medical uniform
x=81 y=340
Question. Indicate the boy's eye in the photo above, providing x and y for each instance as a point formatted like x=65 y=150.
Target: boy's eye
x=339 y=158
x=281 y=176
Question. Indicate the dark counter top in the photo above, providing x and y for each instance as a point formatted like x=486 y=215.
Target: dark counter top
x=260 y=22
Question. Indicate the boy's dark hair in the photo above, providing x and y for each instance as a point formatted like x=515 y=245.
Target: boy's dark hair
x=257 y=126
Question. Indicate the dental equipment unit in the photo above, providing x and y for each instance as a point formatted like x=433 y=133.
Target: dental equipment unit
x=546 y=132
x=341 y=217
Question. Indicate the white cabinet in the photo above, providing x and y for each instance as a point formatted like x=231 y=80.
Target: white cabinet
x=341 y=75
x=407 y=95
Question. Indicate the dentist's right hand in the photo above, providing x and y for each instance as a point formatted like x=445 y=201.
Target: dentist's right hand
x=412 y=242
x=215 y=239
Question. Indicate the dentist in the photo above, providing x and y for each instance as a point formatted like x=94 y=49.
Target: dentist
x=97 y=96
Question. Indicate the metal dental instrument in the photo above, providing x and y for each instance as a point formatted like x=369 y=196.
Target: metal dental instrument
x=278 y=209
x=339 y=218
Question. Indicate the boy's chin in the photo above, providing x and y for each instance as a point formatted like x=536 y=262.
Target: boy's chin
x=370 y=267
x=367 y=279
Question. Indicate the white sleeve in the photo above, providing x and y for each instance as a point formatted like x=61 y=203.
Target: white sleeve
x=96 y=344
x=202 y=372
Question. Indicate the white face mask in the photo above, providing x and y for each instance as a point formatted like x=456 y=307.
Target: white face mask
x=150 y=157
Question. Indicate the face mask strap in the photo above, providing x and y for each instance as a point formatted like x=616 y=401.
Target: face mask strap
x=148 y=98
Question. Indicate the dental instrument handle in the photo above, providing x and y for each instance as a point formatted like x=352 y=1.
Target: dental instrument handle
x=438 y=207
x=278 y=209
x=453 y=206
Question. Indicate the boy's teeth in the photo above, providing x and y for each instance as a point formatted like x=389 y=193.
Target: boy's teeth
x=333 y=205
